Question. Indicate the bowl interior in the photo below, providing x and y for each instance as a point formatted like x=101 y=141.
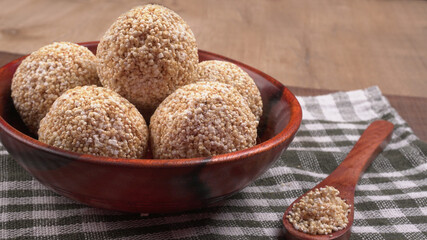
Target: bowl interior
x=277 y=107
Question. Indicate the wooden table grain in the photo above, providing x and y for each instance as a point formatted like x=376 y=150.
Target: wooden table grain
x=328 y=44
x=312 y=46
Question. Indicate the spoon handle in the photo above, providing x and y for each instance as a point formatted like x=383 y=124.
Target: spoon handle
x=366 y=149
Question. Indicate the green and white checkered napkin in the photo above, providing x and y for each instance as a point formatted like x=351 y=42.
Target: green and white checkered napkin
x=390 y=202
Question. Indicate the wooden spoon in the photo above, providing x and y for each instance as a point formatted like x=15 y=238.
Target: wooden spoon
x=346 y=175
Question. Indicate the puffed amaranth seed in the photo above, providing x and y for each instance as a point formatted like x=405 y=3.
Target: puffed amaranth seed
x=95 y=120
x=148 y=53
x=202 y=119
x=320 y=211
x=229 y=73
x=47 y=73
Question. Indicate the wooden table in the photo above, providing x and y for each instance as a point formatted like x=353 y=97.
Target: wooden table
x=314 y=46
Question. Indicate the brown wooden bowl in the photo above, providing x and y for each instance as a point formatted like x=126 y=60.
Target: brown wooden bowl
x=152 y=185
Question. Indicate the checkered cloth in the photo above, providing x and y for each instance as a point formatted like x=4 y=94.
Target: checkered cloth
x=390 y=201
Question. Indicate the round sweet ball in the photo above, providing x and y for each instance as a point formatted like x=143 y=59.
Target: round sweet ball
x=202 y=119
x=147 y=54
x=229 y=73
x=95 y=120
x=47 y=73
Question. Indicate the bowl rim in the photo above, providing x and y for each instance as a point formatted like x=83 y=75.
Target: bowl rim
x=286 y=134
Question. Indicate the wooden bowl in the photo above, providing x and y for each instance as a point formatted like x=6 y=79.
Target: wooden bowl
x=152 y=185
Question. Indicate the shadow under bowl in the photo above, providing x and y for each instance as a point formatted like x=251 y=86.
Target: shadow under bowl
x=153 y=185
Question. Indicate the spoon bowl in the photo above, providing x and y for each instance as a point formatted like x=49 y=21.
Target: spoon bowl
x=346 y=175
